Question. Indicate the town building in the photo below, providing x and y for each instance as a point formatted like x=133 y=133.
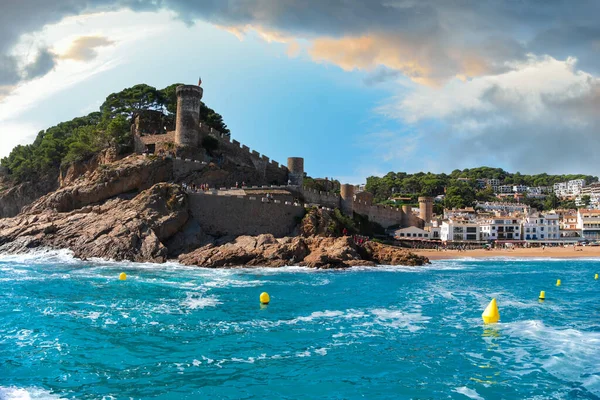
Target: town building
x=569 y=189
x=460 y=230
x=588 y=221
x=507 y=228
x=502 y=207
x=519 y=188
x=412 y=232
x=541 y=227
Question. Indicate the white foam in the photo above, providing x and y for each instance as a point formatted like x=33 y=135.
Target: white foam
x=399 y=319
x=193 y=301
x=470 y=393
x=40 y=256
x=31 y=393
x=568 y=354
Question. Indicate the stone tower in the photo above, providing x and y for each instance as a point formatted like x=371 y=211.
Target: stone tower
x=347 y=195
x=426 y=208
x=406 y=215
x=187 y=128
x=295 y=167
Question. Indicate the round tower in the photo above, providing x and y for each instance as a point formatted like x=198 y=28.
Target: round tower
x=406 y=216
x=347 y=195
x=187 y=127
x=295 y=167
x=426 y=208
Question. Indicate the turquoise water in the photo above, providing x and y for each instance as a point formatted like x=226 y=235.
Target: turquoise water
x=71 y=329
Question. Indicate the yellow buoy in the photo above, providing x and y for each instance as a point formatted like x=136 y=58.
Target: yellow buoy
x=596 y=276
x=542 y=295
x=558 y=282
x=122 y=276
x=264 y=298
x=490 y=314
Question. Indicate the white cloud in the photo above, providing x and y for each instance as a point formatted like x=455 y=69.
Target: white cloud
x=536 y=117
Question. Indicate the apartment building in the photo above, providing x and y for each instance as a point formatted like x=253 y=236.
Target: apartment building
x=460 y=230
x=588 y=221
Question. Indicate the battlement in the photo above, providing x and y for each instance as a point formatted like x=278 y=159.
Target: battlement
x=188 y=90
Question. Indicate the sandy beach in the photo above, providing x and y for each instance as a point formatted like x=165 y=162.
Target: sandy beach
x=550 y=252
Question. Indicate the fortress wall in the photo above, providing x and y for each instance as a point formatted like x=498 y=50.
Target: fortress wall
x=158 y=139
x=271 y=171
x=413 y=220
x=229 y=215
x=385 y=215
x=327 y=199
x=138 y=145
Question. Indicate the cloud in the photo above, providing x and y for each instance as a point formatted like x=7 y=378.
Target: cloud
x=430 y=41
x=540 y=116
x=84 y=48
x=43 y=63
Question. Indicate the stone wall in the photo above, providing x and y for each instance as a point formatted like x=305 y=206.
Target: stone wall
x=327 y=199
x=386 y=216
x=268 y=171
x=182 y=167
x=244 y=215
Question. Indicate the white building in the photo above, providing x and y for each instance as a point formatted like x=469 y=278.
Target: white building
x=504 y=189
x=588 y=221
x=502 y=207
x=519 y=188
x=460 y=231
x=593 y=191
x=412 y=232
x=493 y=182
x=570 y=188
x=542 y=227
x=502 y=228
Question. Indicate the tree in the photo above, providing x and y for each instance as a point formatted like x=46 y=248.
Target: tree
x=131 y=100
x=585 y=199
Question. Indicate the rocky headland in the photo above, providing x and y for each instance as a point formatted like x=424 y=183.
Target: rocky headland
x=130 y=209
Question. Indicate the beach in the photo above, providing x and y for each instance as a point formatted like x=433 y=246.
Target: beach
x=536 y=252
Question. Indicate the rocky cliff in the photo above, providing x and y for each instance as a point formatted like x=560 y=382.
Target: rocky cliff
x=125 y=210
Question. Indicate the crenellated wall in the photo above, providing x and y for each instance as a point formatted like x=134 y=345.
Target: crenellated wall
x=327 y=199
x=243 y=215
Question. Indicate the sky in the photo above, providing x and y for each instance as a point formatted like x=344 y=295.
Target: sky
x=356 y=87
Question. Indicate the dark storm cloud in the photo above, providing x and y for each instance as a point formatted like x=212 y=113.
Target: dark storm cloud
x=488 y=33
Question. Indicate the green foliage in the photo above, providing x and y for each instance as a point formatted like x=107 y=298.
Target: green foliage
x=459 y=193
x=341 y=221
x=319 y=185
x=210 y=143
x=81 y=138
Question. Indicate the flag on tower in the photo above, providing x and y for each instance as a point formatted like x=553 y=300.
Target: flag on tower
x=199 y=81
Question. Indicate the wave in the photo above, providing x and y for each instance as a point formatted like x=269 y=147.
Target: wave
x=31 y=393
x=568 y=354
x=40 y=256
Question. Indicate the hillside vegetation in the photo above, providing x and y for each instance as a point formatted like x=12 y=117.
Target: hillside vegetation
x=82 y=137
x=460 y=193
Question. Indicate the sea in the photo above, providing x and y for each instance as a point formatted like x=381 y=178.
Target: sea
x=70 y=329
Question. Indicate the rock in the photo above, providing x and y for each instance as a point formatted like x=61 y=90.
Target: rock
x=313 y=252
x=119 y=229
x=133 y=173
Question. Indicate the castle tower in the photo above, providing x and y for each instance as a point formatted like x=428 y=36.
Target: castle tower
x=406 y=216
x=187 y=128
x=347 y=194
x=296 y=170
x=426 y=208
